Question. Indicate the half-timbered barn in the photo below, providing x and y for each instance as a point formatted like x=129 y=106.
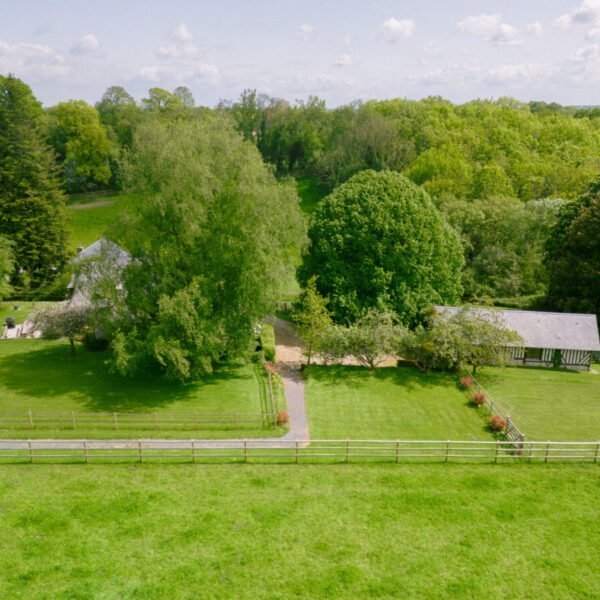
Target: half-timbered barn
x=550 y=339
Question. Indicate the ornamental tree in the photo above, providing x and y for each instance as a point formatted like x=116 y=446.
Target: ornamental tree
x=378 y=241
x=312 y=317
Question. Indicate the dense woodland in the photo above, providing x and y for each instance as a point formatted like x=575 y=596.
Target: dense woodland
x=512 y=182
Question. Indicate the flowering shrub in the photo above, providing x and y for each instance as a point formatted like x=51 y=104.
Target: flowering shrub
x=466 y=382
x=283 y=417
x=478 y=398
x=497 y=423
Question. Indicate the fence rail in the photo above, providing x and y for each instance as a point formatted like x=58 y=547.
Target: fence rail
x=121 y=421
x=93 y=194
x=296 y=451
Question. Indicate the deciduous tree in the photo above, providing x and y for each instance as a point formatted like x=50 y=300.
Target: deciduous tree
x=378 y=240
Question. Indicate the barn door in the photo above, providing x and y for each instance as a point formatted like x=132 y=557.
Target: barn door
x=557 y=359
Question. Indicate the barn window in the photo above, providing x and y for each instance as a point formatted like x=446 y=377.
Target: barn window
x=533 y=354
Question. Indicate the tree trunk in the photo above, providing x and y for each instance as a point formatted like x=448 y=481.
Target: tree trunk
x=474 y=369
x=72 y=343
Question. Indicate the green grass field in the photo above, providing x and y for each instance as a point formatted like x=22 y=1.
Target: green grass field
x=359 y=531
x=311 y=192
x=90 y=219
x=7 y=309
x=402 y=403
x=41 y=376
x=548 y=404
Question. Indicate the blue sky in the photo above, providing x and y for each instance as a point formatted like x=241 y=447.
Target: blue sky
x=338 y=50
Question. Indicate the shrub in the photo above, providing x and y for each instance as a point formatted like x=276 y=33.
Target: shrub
x=267 y=341
x=283 y=417
x=497 y=423
x=466 y=382
x=478 y=398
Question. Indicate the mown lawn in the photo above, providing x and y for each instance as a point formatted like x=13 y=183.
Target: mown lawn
x=41 y=376
x=389 y=403
x=357 y=531
x=7 y=309
x=548 y=404
x=89 y=220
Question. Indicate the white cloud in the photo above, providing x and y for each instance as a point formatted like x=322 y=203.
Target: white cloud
x=32 y=60
x=343 y=60
x=88 y=44
x=306 y=31
x=534 y=28
x=587 y=53
x=587 y=13
x=178 y=51
x=182 y=46
x=395 y=30
x=593 y=34
x=491 y=28
x=182 y=34
x=203 y=72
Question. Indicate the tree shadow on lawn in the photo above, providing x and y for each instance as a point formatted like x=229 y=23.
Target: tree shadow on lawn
x=86 y=380
x=409 y=378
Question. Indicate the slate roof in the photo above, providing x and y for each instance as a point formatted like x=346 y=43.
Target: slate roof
x=560 y=331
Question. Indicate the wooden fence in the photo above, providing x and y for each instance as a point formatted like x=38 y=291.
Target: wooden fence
x=89 y=195
x=292 y=451
x=512 y=432
x=77 y=421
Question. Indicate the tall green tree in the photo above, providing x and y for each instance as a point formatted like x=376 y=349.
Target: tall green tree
x=211 y=242
x=120 y=114
x=31 y=201
x=82 y=145
x=378 y=241
x=312 y=317
x=7 y=261
x=573 y=255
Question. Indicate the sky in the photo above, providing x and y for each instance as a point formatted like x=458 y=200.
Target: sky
x=339 y=50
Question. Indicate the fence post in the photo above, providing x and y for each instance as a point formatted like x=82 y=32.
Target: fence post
x=30 y=420
x=140 y=449
x=115 y=420
x=497 y=451
x=85 y=452
x=347 y=449
x=547 y=452
x=193 y=452
x=74 y=422
x=447 y=450
x=296 y=451
x=597 y=452
x=30 y=451
x=397 y=450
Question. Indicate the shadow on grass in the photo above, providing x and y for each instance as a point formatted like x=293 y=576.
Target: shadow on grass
x=51 y=372
x=407 y=377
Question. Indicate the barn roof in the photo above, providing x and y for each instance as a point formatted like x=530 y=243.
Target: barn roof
x=560 y=331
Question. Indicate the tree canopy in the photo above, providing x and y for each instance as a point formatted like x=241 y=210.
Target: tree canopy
x=573 y=255
x=378 y=240
x=82 y=145
x=211 y=240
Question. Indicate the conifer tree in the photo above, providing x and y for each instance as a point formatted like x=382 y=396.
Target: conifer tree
x=31 y=200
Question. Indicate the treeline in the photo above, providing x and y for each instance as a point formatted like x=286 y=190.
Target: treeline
x=476 y=150
x=499 y=171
